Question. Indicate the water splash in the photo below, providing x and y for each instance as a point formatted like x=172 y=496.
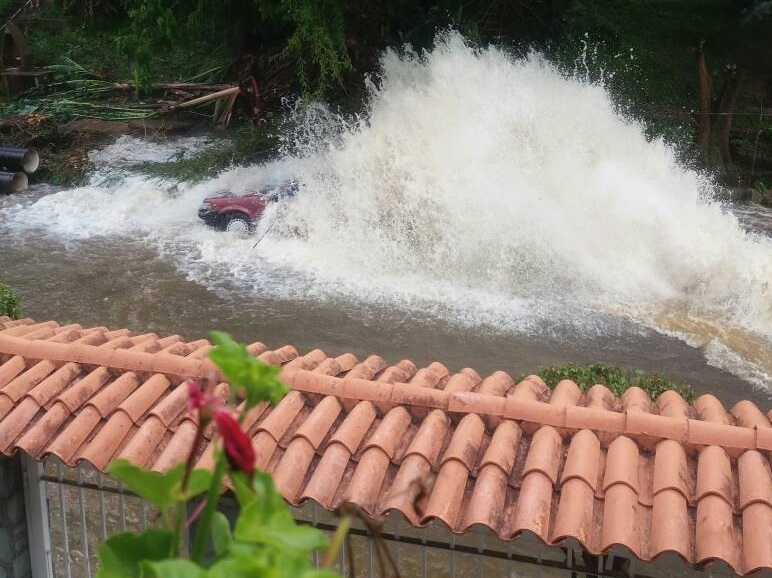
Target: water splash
x=482 y=189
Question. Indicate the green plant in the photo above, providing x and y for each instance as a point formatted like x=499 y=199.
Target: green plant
x=264 y=541
x=152 y=27
x=616 y=379
x=10 y=302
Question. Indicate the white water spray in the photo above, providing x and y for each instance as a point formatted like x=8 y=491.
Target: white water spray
x=487 y=189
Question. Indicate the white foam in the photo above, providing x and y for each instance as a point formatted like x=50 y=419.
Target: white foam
x=477 y=188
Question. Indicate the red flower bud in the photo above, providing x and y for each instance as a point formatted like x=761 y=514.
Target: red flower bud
x=238 y=446
x=196 y=397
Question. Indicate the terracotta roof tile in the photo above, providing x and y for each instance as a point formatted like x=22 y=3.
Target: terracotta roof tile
x=489 y=494
x=671 y=469
x=649 y=477
x=68 y=441
x=583 y=459
x=747 y=414
x=144 y=442
x=756 y=537
x=176 y=449
x=622 y=464
x=635 y=399
x=714 y=475
x=101 y=449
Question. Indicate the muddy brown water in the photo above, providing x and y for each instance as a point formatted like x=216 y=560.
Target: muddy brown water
x=118 y=282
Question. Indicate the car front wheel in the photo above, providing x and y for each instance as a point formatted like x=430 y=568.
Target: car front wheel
x=238 y=224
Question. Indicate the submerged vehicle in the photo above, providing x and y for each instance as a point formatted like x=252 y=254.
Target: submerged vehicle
x=240 y=213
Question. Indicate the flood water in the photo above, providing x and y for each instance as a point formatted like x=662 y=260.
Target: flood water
x=121 y=282
x=521 y=234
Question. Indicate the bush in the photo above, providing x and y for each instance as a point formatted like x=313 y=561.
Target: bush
x=616 y=379
x=10 y=302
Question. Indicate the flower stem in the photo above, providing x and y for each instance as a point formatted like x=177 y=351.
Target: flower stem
x=212 y=497
x=337 y=541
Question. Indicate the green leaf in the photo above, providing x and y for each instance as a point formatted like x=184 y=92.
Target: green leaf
x=245 y=494
x=262 y=562
x=295 y=537
x=221 y=533
x=267 y=520
x=267 y=506
x=198 y=482
x=120 y=555
x=162 y=490
x=242 y=370
x=175 y=568
x=245 y=566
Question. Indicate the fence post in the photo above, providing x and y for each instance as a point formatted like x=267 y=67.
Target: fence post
x=14 y=547
x=38 y=533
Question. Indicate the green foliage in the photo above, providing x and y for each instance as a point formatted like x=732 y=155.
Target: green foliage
x=152 y=25
x=10 y=302
x=615 y=378
x=245 y=373
x=319 y=38
x=266 y=540
x=122 y=555
x=161 y=490
x=266 y=521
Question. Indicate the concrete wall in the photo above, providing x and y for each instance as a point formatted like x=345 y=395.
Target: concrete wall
x=14 y=546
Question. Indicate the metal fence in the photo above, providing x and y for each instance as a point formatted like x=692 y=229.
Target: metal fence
x=73 y=509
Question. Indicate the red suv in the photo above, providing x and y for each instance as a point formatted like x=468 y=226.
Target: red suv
x=240 y=214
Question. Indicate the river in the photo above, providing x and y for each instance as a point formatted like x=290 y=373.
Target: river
x=484 y=211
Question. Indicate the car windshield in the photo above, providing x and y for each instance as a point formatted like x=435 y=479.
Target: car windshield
x=285 y=190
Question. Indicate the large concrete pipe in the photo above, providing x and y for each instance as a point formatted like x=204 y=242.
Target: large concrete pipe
x=13 y=182
x=14 y=159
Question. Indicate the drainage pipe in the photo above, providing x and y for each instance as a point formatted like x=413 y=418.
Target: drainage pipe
x=13 y=182
x=12 y=158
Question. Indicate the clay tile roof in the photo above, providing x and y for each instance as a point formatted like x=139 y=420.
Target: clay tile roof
x=650 y=476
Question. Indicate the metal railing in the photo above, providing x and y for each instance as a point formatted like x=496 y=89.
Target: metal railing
x=71 y=510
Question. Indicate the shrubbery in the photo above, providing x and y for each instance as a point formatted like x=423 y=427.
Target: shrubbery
x=616 y=379
x=10 y=302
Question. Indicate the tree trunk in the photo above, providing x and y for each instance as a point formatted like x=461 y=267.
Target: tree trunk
x=726 y=105
x=702 y=138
